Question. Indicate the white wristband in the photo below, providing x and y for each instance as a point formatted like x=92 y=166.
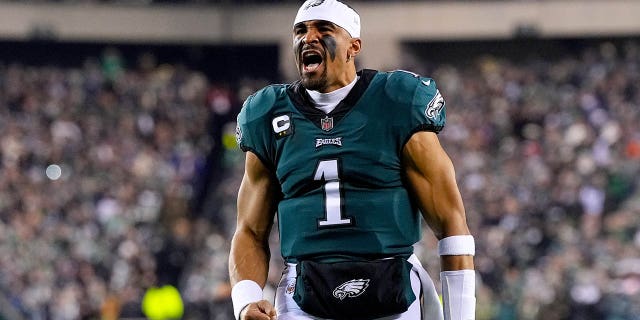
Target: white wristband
x=459 y=294
x=457 y=246
x=243 y=293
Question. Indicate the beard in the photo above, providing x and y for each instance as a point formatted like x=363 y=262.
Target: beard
x=315 y=83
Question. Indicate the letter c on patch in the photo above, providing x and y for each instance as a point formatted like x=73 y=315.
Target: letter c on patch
x=281 y=123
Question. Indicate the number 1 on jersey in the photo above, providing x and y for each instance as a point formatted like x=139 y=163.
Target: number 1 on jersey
x=327 y=170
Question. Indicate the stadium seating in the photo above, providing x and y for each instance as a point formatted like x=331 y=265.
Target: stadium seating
x=547 y=154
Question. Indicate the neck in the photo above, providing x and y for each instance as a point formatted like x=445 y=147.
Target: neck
x=342 y=80
x=327 y=102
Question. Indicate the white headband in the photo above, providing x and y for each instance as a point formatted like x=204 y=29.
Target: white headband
x=332 y=11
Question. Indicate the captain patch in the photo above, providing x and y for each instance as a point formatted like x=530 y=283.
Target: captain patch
x=282 y=126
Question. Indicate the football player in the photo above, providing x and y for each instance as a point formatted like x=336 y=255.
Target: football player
x=350 y=161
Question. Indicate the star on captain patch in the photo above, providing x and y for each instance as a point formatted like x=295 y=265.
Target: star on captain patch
x=326 y=123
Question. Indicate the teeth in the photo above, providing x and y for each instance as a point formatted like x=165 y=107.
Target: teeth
x=309 y=53
x=306 y=55
x=311 y=60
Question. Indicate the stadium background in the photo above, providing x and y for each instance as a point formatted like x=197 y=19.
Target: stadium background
x=118 y=166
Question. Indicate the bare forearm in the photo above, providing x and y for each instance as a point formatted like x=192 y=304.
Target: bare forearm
x=248 y=259
x=248 y=269
x=257 y=199
x=456 y=263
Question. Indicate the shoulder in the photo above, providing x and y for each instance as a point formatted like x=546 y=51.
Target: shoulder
x=251 y=128
x=418 y=94
x=261 y=102
x=410 y=87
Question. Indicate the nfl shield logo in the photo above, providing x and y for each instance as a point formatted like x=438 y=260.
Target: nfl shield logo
x=327 y=123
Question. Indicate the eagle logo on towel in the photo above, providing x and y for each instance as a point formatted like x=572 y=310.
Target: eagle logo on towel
x=351 y=288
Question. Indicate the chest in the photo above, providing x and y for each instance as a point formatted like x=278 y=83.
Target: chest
x=359 y=150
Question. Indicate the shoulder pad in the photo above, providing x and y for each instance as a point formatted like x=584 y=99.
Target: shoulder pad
x=408 y=87
x=249 y=126
x=420 y=94
x=259 y=103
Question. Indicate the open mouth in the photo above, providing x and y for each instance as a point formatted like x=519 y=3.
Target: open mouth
x=311 y=60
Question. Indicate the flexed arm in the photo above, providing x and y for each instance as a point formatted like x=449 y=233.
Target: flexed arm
x=431 y=178
x=249 y=257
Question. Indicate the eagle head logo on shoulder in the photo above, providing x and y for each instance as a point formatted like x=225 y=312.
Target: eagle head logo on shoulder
x=351 y=288
x=238 y=134
x=435 y=106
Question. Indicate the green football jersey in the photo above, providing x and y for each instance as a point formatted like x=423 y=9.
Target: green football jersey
x=340 y=173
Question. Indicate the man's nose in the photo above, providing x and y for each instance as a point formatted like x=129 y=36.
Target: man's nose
x=311 y=36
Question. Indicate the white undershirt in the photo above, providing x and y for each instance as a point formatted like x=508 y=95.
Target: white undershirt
x=329 y=101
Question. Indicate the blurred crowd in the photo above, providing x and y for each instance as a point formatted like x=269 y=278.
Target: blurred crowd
x=547 y=156
x=117 y=179
x=98 y=169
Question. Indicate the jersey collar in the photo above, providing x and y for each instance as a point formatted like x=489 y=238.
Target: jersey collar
x=304 y=104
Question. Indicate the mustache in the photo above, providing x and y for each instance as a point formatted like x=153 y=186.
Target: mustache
x=302 y=46
x=327 y=44
x=310 y=47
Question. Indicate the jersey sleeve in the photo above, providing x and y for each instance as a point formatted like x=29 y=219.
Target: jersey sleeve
x=419 y=103
x=252 y=131
x=428 y=106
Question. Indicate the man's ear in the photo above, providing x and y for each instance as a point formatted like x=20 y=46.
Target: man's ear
x=356 y=46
